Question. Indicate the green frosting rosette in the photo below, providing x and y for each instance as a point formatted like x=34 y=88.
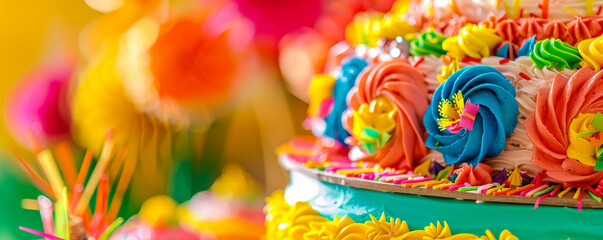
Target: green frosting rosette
x=554 y=53
x=428 y=43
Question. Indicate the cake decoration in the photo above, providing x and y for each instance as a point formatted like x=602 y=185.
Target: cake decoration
x=340 y=228
x=557 y=30
x=527 y=47
x=404 y=87
x=592 y=56
x=533 y=27
x=549 y=126
x=382 y=229
x=581 y=29
x=349 y=72
x=290 y=222
x=517 y=127
x=507 y=50
x=585 y=141
x=428 y=43
x=473 y=41
x=496 y=118
x=450 y=67
x=457 y=115
x=554 y=53
x=374 y=123
x=480 y=175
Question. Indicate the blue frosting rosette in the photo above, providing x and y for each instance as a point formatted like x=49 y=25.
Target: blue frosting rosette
x=471 y=115
x=349 y=72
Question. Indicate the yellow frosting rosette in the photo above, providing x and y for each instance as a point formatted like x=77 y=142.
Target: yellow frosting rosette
x=472 y=41
x=590 y=50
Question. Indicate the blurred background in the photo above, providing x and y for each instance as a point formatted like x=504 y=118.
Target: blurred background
x=186 y=90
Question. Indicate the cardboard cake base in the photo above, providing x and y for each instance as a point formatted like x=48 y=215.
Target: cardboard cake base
x=566 y=201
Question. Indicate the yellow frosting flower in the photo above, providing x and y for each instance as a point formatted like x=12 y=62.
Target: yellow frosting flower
x=472 y=41
x=504 y=235
x=379 y=115
x=590 y=50
x=383 y=230
x=580 y=148
x=321 y=89
x=338 y=229
x=433 y=232
x=285 y=222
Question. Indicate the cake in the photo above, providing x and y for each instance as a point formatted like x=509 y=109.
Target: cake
x=452 y=120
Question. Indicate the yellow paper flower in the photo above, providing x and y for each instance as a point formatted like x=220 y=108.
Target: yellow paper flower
x=472 y=41
x=285 y=222
x=339 y=229
x=450 y=112
x=100 y=104
x=433 y=232
x=383 y=230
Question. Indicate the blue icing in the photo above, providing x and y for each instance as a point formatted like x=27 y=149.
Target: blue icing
x=527 y=47
x=495 y=120
x=350 y=71
x=503 y=51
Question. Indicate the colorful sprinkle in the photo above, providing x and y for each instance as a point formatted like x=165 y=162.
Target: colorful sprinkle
x=524 y=76
x=419 y=62
x=545 y=191
x=519 y=189
x=564 y=192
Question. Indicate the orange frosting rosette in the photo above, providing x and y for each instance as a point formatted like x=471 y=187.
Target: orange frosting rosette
x=549 y=126
x=404 y=87
x=479 y=175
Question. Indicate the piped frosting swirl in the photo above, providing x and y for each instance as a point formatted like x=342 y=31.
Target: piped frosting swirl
x=548 y=127
x=495 y=120
x=350 y=70
x=428 y=43
x=591 y=51
x=554 y=53
x=404 y=86
x=472 y=41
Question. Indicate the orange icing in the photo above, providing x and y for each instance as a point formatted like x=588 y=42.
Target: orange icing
x=452 y=26
x=404 y=86
x=548 y=126
x=556 y=29
x=493 y=20
x=508 y=29
x=479 y=175
x=583 y=28
x=532 y=26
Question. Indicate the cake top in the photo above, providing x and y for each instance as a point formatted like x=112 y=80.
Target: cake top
x=499 y=93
